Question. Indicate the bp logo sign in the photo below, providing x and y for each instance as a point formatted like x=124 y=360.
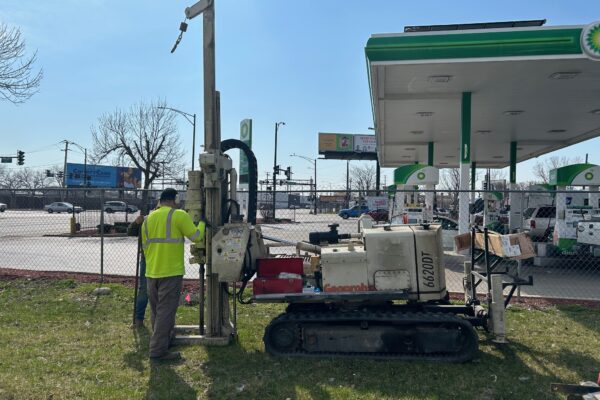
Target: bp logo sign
x=244 y=131
x=590 y=40
x=589 y=176
x=421 y=175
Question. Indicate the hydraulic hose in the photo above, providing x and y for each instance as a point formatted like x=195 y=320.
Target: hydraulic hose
x=229 y=144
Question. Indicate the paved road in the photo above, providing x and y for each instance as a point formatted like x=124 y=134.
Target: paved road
x=23 y=245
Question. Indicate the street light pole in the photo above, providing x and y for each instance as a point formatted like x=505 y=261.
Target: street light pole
x=193 y=141
x=275 y=169
x=192 y=121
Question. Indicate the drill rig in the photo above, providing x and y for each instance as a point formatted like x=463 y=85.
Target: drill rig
x=377 y=293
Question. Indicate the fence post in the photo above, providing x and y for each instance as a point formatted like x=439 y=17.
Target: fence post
x=102 y=237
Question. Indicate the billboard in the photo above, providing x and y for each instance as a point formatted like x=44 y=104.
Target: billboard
x=246 y=137
x=347 y=146
x=365 y=143
x=103 y=176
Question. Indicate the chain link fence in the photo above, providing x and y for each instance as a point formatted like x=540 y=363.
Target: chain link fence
x=78 y=230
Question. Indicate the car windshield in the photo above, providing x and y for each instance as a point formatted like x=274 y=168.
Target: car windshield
x=528 y=212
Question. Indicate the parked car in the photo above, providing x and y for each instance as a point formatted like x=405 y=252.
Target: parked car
x=380 y=214
x=540 y=221
x=2 y=207
x=449 y=231
x=353 y=212
x=119 y=206
x=61 y=206
x=448 y=224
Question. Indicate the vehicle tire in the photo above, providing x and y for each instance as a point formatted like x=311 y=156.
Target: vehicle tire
x=50 y=211
x=345 y=216
x=108 y=210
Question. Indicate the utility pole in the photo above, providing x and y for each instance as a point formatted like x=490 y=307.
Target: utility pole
x=64 y=183
x=348 y=183
x=275 y=168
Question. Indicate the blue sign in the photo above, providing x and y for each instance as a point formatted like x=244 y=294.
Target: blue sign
x=102 y=176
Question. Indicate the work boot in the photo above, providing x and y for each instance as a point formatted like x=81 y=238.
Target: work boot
x=138 y=323
x=170 y=356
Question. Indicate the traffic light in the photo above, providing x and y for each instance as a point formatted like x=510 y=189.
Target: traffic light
x=60 y=174
x=485 y=185
x=288 y=173
x=20 y=157
x=277 y=170
x=49 y=174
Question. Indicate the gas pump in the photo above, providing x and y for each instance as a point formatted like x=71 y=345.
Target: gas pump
x=415 y=175
x=569 y=211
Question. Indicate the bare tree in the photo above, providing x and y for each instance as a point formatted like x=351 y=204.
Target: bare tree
x=363 y=178
x=27 y=178
x=541 y=169
x=450 y=180
x=17 y=80
x=9 y=180
x=145 y=136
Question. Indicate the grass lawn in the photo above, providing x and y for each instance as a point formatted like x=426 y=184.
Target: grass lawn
x=58 y=341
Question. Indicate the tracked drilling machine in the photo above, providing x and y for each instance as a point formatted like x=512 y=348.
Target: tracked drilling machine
x=379 y=292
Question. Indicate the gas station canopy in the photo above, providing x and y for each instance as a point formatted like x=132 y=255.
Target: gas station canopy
x=528 y=90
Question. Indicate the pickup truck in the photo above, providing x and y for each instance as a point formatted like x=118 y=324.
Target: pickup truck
x=353 y=212
x=540 y=221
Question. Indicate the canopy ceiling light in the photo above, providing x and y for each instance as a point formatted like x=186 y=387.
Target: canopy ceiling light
x=425 y=113
x=421 y=132
x=564 y=75
x=440 y=78
x=513 y=112
x=484 y=132
x=556 y=131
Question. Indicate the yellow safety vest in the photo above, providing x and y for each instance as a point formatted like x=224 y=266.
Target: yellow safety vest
x=163 y=237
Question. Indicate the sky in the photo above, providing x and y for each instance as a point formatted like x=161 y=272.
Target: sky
x=300 y=62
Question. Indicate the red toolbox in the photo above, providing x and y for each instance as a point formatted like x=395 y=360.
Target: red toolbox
x=278 y=275
x=272 y=267
x=276 y=285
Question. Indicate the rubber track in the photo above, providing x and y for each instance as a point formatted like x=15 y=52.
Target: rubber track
x=393 y=317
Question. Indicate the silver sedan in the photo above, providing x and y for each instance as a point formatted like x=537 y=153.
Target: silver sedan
x=60 y=206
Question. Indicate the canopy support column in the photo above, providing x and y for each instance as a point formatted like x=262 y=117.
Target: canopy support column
x=465 y=160
x=516 y=199
x=429 y=194
x=378 y=179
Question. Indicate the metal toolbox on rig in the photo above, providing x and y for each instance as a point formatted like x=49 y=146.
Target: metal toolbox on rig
x=276 y=285
x=278 y=275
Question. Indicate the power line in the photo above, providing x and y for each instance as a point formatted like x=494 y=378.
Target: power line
x=42 y=148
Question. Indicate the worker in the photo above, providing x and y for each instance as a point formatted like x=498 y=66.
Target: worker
x=163 y=234
x=142 y=298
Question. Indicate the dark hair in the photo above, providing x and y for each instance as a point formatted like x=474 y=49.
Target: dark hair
x=168 y=194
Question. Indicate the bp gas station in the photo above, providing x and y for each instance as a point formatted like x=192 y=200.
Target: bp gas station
x=485 y=96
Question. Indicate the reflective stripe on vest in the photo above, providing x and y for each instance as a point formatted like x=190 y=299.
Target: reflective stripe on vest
x=195 y=235
x=168 y=239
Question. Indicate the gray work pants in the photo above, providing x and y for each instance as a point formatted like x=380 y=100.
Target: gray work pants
x=164 y=294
